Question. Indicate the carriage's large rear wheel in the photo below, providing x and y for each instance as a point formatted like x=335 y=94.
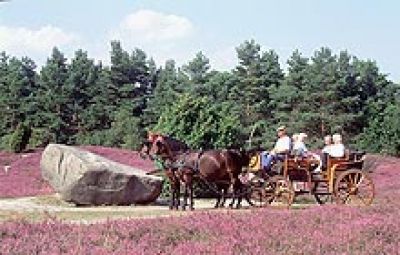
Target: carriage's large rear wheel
x=354 y=187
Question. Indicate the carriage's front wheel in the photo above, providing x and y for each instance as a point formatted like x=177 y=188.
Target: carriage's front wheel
x=284 y=194
x=259 y=195
x=276 y=191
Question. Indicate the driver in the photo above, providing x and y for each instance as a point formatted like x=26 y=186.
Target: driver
x=281 y=148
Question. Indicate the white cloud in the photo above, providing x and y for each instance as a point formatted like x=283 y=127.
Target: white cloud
x=150 y=26
x=22 y=40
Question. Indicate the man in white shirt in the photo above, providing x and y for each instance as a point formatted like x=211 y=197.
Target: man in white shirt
x=282 y=147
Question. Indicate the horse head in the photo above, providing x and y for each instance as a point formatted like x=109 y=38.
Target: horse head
x=145 y=149
x=167 y=147
x=151 y=146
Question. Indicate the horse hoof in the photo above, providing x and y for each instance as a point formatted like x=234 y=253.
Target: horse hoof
x=191 y=208
x=183 y=208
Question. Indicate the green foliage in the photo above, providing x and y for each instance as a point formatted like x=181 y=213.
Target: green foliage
x=20 y=138
x=53 y=98
x=201 y=124
x=124 y=132
x=5 y=142
x=40 y=137
x=383 y=132
x=83 y=102
x=17 y=86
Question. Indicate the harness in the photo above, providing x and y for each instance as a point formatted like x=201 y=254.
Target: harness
x=182 y=164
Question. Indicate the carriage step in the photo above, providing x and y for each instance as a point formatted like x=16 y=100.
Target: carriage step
x=319 y=179
x=322 y=193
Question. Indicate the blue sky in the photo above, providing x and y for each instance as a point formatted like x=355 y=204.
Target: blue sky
x=179 y=28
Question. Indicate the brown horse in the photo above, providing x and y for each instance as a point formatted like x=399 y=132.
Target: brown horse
x=220 y=168
x=168 y=155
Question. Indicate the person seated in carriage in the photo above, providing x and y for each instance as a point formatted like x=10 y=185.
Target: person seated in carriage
x=328 y=144
x=282 y=147
x=299 y=148
x=335 y=149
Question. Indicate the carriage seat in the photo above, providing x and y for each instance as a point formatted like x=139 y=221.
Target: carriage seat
x=340 y=162
x=296 y=162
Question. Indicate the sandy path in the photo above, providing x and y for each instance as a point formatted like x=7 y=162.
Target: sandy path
x=42 y=207
x=53 y=204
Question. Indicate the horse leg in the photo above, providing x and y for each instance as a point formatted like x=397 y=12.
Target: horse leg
x=247 y=195
x=224 y=194
x=239 y=194
x=172 y=193
x=189 y=185
x=219 y=196
x=177 y=194
x=185 y=196
x=191 y=206
x=172 y=187
x=234 y=191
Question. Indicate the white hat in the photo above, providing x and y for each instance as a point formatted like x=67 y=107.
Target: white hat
x=281 y=128
x=336 y=137
x=303 y=135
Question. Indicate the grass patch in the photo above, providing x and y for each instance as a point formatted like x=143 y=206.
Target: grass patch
x=51 y=200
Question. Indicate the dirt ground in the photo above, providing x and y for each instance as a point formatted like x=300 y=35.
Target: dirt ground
x=51 y=206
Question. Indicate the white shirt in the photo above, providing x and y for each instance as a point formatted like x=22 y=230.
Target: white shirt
x=326 y=149
x=282 y=144
x=300 y=147
x=336 y=150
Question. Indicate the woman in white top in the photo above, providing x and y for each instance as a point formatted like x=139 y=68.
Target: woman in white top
x=299 y=148
x=337 y=149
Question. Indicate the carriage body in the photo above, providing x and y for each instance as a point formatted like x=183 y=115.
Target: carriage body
x=342 y=181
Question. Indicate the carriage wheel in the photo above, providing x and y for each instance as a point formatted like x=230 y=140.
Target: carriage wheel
x=354 y=187
x=321 y=193
x=283 y=194
x=258 y=198
x=259 y=195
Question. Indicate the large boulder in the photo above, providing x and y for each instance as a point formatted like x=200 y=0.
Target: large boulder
x=85 y=178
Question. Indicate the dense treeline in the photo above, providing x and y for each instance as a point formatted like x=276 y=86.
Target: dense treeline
x=83 y=102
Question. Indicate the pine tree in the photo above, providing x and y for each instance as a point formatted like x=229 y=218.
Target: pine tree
x=165 y=93
x=53 y=97
x=17 y=86
x=258 y=72
x=197 y=71
x=80 y=85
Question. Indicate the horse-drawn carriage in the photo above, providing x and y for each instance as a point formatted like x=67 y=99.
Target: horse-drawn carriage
x=342 y=180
